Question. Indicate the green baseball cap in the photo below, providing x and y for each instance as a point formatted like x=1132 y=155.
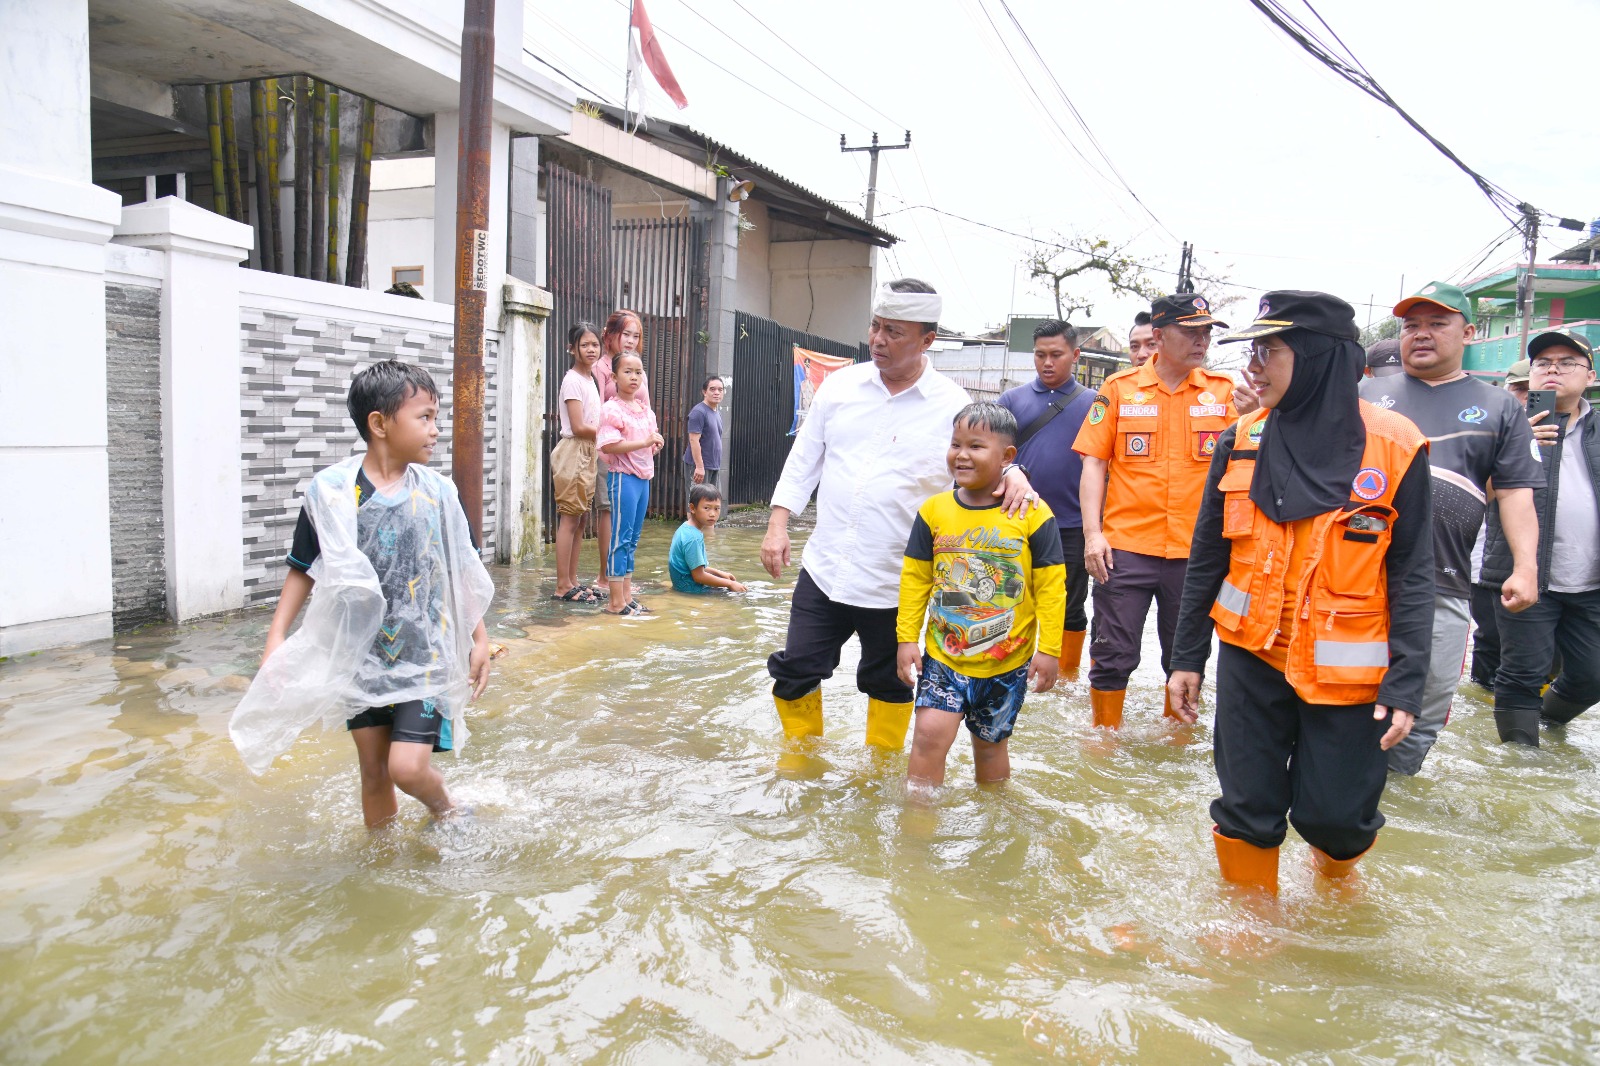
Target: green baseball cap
x=1440 y=294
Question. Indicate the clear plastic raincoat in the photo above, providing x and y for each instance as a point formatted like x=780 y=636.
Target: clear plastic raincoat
x=390 y=620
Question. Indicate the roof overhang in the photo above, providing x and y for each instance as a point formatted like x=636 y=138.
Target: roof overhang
x=1550 y=279
x=403 y=53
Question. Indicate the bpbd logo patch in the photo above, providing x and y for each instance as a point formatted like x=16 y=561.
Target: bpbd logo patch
x=1138 y=443
x=1208 y=441
x=1369 y=483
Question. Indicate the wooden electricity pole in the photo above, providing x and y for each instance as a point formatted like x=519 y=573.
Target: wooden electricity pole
x=472 y=256
x=872 y=171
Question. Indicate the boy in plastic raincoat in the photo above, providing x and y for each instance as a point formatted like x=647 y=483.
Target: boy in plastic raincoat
x=393 y=644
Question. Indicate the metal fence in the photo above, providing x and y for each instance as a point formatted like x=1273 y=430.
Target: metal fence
x=763 y=402
x=579 y=276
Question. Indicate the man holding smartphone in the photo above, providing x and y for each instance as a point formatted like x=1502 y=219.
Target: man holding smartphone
x=1476 y=434
x=1567 y=616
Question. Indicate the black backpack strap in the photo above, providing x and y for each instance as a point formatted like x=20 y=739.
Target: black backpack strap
x=1054 y=408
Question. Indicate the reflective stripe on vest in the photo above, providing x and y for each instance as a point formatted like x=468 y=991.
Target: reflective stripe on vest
x=1234 y=599
x=1352 y=653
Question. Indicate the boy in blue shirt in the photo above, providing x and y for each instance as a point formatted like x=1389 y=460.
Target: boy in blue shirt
x=686 y=560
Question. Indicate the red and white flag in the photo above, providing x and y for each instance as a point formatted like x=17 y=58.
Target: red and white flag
x=644 y=52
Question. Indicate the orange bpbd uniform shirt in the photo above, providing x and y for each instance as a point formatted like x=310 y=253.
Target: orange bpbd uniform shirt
x=1158 y=444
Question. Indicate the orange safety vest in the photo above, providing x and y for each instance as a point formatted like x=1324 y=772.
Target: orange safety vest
x=1338 y=646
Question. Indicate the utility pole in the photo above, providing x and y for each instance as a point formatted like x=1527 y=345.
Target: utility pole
x=1185 y=269
x=472 y=256
x=872 y=172
x=1525 y=287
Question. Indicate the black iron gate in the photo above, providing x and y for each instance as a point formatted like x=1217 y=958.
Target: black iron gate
x=578 y=273
x=661 y=274
x=763 y=401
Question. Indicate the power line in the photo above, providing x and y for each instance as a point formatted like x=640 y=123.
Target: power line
x=785 y=42
x=541 y=59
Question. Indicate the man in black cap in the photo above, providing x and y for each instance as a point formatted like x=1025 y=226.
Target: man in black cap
x=1313 y=558
x=1567 y=616
x=1146 y=444
x=1476 y=433
x=1383 y=358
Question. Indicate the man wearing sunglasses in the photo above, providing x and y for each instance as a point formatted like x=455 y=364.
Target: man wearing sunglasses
x=1567 y=616
x=1476 y=434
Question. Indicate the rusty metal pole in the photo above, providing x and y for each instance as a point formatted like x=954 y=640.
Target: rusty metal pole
x=472 y=256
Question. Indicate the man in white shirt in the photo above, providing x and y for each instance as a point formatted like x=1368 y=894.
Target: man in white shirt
x=872 y=448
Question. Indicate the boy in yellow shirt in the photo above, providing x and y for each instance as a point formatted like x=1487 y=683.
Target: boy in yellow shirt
x=998 y=592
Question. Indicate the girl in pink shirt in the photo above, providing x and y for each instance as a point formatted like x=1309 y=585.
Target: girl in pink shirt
x=629 y=440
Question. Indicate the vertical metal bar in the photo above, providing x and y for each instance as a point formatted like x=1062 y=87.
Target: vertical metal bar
x=360 y=194
x=219 y=182
x=472 y=250
x=303 y=88
x=333 y=185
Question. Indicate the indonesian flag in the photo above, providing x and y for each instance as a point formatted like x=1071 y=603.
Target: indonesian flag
x=644 y=51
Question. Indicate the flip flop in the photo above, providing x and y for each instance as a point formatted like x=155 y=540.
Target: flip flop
x=581 y=594
x=639 y=608
x=629 y=611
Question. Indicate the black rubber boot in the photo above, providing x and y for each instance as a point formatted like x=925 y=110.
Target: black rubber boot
x=1558 y=711
x=1519 y=726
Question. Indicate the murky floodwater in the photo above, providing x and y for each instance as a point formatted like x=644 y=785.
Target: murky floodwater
x=639 y=886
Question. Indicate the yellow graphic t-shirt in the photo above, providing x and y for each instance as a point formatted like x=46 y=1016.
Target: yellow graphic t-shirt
x=981 y=580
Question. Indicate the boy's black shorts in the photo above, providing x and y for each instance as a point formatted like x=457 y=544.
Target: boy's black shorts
x=412 y=722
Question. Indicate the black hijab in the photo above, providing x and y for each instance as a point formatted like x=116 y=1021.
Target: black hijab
x=1312 y=443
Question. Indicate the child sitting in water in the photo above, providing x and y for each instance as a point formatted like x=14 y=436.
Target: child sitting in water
x=629 y=440
x=686 y=560
x=393 y=643
x=997 y=586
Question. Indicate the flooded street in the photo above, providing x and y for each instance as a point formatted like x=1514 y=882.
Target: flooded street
x=639 y=886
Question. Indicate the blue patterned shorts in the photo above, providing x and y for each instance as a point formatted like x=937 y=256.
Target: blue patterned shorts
x=989 y=704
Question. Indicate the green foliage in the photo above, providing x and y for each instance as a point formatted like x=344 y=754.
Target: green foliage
x=1381 y=331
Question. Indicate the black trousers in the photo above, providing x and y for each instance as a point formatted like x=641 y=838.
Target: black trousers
x=818 y=628
x=1561 y=623
x=1077 y=579
x=1277 y=755
x=1120 y=608
x=1485 y=636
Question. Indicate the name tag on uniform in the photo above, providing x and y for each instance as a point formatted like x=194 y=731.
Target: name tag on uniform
x=1210 y=410
x=1138 y=410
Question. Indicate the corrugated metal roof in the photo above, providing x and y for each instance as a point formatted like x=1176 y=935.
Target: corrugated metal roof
x=672 y=135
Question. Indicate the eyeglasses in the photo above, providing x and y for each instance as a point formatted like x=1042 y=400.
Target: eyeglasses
x=1260 y=353
x=1564 y=366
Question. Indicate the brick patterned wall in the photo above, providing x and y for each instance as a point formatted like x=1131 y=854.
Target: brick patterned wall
x=296 y=374
x=133 y=429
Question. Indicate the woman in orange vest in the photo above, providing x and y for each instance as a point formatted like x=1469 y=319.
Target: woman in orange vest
x=1313 y=557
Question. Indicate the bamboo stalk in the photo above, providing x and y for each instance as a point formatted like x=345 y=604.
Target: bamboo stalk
x=303 y=87
x=274 y=190
x=230 y=154
x=258 y=130
x=333 y=185
x=219 y=187
x=319 y=182
x=360 y=195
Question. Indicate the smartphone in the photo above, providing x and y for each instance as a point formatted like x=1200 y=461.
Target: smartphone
x=1542 y=400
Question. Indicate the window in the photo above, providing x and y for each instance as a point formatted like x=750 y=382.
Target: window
x=411 y=274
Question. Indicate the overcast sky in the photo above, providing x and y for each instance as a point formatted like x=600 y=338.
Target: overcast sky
x=1280 y=173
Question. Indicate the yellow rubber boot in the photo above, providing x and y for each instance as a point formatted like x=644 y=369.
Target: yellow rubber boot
x=1071 y=654
x=887 y=724
x=1106 y=708
x=801 y=717
x=1329 y=867
x=1242 y=863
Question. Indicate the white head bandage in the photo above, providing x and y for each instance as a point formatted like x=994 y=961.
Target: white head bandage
x=907 y=306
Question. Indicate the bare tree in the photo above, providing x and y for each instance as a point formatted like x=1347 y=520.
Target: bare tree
x=1056 y=263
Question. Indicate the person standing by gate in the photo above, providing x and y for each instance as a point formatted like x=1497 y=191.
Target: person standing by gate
x=1313 y=556
x=1050 y=409
x=1153 y=430
x=702 y=459
x=623 y=332
x=872 y=448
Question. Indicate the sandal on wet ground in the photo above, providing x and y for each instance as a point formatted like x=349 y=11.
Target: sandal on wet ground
x=629 y=611
x=639 y=608
x=579 y=594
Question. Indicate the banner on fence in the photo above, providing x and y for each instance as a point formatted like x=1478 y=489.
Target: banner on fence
x=810 y=369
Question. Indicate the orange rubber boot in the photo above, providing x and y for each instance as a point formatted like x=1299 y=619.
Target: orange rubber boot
x=1106 y=708
x=1329 y=867
x=1071 y=654
x=1242 y=863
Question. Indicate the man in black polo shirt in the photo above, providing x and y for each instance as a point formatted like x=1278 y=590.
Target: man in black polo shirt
x=1475 y=433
